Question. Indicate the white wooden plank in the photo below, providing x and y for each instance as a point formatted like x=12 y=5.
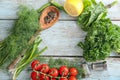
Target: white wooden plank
x=4 y=75
x=112 y=72
x=113 y=12
x=25 y=75
x=5 y=27
x=9 y=11
x=8 y=8
x=61 y=39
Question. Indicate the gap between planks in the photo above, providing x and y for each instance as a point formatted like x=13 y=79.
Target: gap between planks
x=67 y=56
x=74 y=19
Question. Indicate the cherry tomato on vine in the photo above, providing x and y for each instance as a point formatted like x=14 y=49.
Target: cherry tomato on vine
x=53 y=72
x=72 y=78
x=73 y=72
x=63 y=79
x=44 y=68
x=44 y=77
x=35 y=76
x=35 y=62
x=35 y=65
x=63 y=70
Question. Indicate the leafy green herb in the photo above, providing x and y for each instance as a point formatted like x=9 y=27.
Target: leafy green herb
x=23 y=29
x=43 y=7
x=102 y=36
x=60 y=7
x=30 y=54
x=92 y=12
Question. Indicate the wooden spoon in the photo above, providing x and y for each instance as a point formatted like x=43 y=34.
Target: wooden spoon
x=49 y=17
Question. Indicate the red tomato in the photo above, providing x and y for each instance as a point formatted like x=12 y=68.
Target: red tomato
x=72 y=78
x=73 y=72
x=63 y=79
x=44 y=68
x=53 y=79
x=44 y=77
x=63 y=70
x=35 y=65
x=35 y=76
x=53 y=72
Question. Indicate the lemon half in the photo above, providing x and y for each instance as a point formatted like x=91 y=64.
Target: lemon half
x=73 y=7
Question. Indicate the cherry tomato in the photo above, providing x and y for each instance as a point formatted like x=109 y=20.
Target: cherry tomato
x=63 y=70
x=35 y=64
x=44 y=77
x=63 y=79
x=44 y=68
x=72 y=78
x=35 y=76
x=73 y=72
x=53 y=79
x=37 y=67
x=53 y=72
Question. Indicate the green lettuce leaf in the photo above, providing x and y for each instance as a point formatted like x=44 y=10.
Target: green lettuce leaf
x=91 y=13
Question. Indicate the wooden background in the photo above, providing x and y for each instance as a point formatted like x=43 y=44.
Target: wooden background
x=61 y=39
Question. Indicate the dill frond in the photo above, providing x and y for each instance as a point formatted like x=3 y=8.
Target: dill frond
x=23 y=29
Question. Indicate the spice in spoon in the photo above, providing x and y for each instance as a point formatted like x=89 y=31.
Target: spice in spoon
x=50 y=16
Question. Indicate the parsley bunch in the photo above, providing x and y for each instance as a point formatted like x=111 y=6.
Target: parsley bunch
x=102 y=37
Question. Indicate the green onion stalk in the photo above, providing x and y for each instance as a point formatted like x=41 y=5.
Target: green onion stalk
x=31 y=53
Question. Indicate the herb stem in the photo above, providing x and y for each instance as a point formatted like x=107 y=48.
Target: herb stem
x=32 y=57
x=43 y=7
x=112 y=4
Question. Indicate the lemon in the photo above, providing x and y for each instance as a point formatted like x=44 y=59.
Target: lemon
x=73 y=7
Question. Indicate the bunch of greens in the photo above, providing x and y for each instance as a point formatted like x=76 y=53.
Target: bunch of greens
x=102 y=36
x=31 y=53
x=22 y=43
x=23 y=29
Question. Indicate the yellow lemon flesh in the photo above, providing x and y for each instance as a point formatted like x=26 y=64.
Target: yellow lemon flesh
x=73 y=7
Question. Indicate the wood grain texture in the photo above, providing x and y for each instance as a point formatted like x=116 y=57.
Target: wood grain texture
x=61 y=39
x=8 y=8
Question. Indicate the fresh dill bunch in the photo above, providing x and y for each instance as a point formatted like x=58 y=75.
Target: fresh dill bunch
x=56 y=63
x=21 y=32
